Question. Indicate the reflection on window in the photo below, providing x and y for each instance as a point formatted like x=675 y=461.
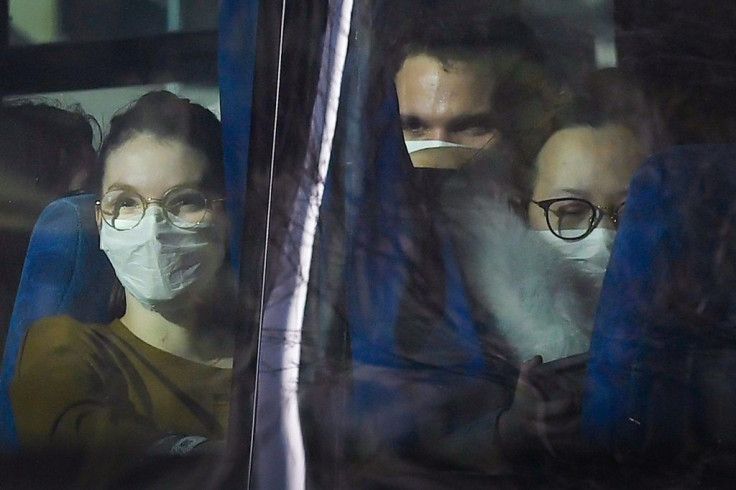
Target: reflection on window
x=103 y=103
x=48 y=21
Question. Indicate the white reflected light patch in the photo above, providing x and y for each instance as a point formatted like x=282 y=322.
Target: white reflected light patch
x=279 y=448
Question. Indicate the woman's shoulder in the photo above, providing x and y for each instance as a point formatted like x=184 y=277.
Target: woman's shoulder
x=61 y=339
x=61 y=329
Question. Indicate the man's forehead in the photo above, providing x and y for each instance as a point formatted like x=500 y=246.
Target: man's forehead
x=451 y=59
x=428 y=83
x=480 y=57
x=424 y=66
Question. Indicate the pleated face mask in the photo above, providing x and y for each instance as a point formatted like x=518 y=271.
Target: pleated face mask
x=156 y=261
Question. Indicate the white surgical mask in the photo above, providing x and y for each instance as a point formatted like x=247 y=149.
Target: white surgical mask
x=417 y=145
x=156 y=261
x=591 y=254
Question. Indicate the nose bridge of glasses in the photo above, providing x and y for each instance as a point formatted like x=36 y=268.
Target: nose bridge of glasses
x=157 y=207
x=154 y=200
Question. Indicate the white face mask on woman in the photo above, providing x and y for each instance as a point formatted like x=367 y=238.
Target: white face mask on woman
x=591 y=254
x=155 y=261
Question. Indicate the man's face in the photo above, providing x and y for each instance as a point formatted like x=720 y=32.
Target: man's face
x=449 y=103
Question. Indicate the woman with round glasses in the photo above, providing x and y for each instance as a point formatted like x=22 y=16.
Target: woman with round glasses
x=157 y=379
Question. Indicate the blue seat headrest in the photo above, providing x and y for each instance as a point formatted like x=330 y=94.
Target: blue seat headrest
x=65 y=272
x=662 y=300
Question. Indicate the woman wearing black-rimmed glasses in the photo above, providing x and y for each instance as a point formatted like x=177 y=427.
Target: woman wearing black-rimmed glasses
x=582 y=172
x=579 y=195
x=537 y=308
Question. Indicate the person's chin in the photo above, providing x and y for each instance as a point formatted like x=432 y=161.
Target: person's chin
x=183 y=301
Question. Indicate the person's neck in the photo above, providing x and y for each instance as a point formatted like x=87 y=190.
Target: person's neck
x=182 y=338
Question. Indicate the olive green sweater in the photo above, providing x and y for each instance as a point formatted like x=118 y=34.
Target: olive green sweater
x=100 y=391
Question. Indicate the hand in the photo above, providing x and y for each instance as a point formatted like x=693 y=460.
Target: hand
x=545 y=413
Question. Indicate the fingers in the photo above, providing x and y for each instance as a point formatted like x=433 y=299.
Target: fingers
x=551 y=386
x=553 y=407
x=526 y=386
x=546 y=408
x=528 y=366
x=552 y=413
x=561 y=438
x=559 y=409
x=560 y=428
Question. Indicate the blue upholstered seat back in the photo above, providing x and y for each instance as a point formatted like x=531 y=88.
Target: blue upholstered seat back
x=65 y=272
x=664 y=304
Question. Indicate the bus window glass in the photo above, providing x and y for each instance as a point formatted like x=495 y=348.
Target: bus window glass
x=492 y=192
x=51 y=21
x=480 y=243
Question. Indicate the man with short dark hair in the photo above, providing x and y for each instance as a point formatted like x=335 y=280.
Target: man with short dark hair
x=447 y=100
x=470 y=82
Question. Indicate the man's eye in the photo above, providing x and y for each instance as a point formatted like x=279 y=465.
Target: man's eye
x=477 y=130
x=412 y=125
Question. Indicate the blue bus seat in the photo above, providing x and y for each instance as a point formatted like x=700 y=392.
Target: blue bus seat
x=64 y=272
x=665 y=308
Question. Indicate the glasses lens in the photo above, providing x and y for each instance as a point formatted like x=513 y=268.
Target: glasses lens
x=571 y=218
x=186 y=207
x=122 y=209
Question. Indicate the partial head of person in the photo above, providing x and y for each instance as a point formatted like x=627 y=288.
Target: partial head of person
x=46 y=152
x=583 y=171
x=447 y=97
x=161 y=215
x=536 y=303
x=468 y=81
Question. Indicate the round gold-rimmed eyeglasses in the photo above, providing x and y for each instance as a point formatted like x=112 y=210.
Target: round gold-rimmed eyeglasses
x=184 y=207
